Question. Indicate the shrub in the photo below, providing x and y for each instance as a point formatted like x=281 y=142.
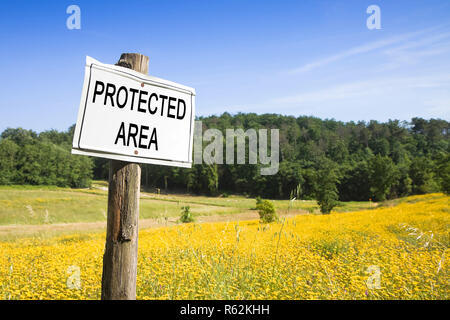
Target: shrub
x=186 y=215
x=327 y=200
x=266 y=211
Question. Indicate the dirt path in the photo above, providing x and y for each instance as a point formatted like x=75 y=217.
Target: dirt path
x=56 y=228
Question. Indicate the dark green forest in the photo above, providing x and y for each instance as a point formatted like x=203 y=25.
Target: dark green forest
x=319 y=159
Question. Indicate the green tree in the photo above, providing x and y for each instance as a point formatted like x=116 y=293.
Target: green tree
x=20 y=136
x=422 y=176
x=8 y=155
x=443 y=172
x=326 y=186
x=382 y=176
x=26 y=158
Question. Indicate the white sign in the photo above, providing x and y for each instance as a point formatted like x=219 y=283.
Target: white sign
x=128 y=116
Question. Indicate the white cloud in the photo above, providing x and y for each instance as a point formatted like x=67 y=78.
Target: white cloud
x=372 y=87
x=413 y=52
x=359 y=50
x=419 y=43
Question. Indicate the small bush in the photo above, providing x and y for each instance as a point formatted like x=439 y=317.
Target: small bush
x=311 y=210
x=327 y=202
x=186 y=215
x=266 y=211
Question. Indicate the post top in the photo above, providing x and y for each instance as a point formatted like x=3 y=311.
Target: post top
x=135 y=61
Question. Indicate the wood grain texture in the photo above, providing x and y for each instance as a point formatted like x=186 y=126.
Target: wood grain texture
x=135 y=61
x=120 y=257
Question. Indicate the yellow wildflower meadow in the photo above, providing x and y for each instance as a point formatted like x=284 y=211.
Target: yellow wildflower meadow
x=391 y=252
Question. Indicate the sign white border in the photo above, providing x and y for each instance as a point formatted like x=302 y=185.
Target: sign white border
x=142 y=78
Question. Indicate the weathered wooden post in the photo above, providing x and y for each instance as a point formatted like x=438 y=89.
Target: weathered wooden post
x=112 y=124
x=120 y=257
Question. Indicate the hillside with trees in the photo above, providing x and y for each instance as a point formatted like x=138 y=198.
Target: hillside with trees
x=42 y=159
x=319 y=159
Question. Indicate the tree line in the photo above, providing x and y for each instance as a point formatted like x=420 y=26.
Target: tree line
x=319 y=159
x=42 y=159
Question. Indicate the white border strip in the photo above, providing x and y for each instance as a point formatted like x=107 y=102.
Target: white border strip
x=121 y=157
x=145 y=77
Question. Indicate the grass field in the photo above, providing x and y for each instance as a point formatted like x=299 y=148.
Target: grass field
x=395 y=251
x=47 y=205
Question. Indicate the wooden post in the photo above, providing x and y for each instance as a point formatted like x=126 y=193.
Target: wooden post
x=120 y=257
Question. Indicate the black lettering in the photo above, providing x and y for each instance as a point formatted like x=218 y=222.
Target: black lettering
x=141 y=100
x=133 y=91
x=126 y=97
x=180 y=117
x=132 y=134
x=121 y=134
x=110 y=94
x=153 y=95
x=171 y=107
x=164 y=98
x=96 y=91
x=142 y=136
x=154 y=140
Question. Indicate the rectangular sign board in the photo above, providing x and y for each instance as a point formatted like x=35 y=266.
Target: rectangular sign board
x=128 y=116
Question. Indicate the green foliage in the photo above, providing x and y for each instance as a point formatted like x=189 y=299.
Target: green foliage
x=203 y=179
x=295 y=193
x=443 y=172
x=372 y=159
x=422 y=176
x=8 y=152
x=44 y=159
x=326 y=188
x=382 y=176
x=186 y=215
x=327 y=200
x=266 y=210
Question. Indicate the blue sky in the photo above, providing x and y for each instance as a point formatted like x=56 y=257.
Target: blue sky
x=290 y=57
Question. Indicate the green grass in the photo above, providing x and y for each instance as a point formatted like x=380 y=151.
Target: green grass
x=38 y=206
x=34 y=205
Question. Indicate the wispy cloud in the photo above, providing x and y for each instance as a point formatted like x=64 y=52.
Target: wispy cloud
x=365 y=88
x=412 y=52
x=365 y=48
x=419 y=43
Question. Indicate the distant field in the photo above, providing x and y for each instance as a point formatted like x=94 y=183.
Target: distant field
x=398 y=250
x=36 y=205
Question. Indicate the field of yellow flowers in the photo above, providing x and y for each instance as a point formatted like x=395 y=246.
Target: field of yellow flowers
x=396 y=251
